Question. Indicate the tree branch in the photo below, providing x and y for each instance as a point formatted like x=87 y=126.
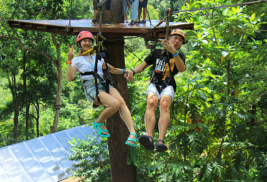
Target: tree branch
x=219 y=155
x=214 y=61
x=213 y=29
x=241 y=39
x=40 y=52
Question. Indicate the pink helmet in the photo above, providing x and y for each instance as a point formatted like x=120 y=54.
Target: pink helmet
x=84 y=35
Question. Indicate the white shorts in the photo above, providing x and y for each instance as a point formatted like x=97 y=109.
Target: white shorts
x=166 y=91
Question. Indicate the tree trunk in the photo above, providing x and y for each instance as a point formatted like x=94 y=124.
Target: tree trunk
x=120 y=171
x=13 y=88
x=16 y=120
x=37 y=117
x=53 y=128
x=58 y=99
x=253 y=112
x=25 y=95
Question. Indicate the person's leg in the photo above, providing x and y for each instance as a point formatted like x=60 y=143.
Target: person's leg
x=150 y=118
x=108 y=4
x=164 y=120
x=108 y=15
x=95 y=14
x=134 y=9
x=112 y=106
x=95 y=9
x=125 y=10
x=139 y=13
x=144 y=13
x=124 y=110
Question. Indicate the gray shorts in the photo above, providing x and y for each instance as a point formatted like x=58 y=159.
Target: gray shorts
x=166 y=91
x=90 y=91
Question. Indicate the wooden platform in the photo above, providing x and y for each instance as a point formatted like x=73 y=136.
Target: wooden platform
x=121 y=29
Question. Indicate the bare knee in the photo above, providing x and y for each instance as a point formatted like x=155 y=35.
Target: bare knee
x=152 y=103
x=164 y=106
x=115 y=105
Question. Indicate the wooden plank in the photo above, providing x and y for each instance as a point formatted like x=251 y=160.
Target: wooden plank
x=73 y=27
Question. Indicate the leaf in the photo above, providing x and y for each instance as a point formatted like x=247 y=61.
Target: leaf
x=133 y=155
x=129 y=158
x=226 y=12
x=222 y=58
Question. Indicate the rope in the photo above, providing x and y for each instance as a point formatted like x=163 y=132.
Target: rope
x=70 y=17
x=128 y=50
x=149 y=18
x=168 y=13
x=100 y=43
x=216 y=7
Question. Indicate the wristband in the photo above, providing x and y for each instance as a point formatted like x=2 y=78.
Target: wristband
x=123 y=71
x=69 y=62
x=174 y=55
x=133 y=72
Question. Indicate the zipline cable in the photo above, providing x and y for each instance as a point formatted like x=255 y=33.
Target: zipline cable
x=70 y=17
x=128 y=50
x=226 y=6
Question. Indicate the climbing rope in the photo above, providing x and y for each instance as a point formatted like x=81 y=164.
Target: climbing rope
x=168 y=14
x=99 y=35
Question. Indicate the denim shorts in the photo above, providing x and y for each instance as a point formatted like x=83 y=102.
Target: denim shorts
x=90 y=91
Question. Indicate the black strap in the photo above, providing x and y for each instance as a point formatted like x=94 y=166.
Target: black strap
x=166 y=82
x=100 y=54
x=104 y=54
x=95 y=76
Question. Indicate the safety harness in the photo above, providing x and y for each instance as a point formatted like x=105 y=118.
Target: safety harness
x=162 y=84
x=101 y=53
x=165 y=56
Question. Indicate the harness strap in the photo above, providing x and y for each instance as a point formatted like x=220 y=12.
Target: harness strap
x=100 y=54
x=90 y=51
x=95 y=76
x=166 y=82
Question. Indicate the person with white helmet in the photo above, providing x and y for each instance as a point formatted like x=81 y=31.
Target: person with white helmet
x=96 y=89
x=162 y=86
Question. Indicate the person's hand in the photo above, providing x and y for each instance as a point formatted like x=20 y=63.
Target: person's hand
x=128 y=75
x=168 y=46
x=70 y=53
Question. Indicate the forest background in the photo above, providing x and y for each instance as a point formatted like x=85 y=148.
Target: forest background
x=219 y=115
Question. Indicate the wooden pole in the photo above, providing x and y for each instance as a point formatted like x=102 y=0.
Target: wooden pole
x=120 y=171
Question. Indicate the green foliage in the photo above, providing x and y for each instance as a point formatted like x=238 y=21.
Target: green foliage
x=218 y=126
x=92 y=159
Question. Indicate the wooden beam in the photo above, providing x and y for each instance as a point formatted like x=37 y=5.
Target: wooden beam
x=121 y=29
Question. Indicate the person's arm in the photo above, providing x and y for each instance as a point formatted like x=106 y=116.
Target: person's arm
x=71 y=70
x=112 y=69
x=138 y=69
x=178 y=61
